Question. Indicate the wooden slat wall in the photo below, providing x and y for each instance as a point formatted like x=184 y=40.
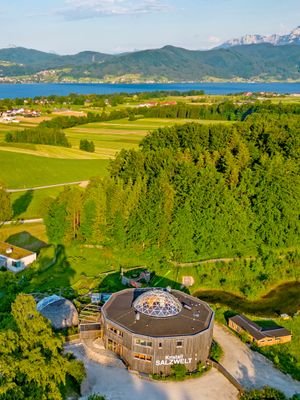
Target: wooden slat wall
x=195 y=347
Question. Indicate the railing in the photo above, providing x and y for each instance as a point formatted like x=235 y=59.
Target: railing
x=227 y=375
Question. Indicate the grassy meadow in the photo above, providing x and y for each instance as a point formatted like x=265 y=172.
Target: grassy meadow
x=26 y=171
x=30 y=203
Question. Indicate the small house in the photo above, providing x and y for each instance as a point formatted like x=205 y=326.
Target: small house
x=15 y=258
x=257 y=334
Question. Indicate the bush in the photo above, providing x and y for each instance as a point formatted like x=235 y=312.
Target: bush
x=87 y=145
x=266 y=393
x=179 y=371
x=216 y=351
x=96 y=397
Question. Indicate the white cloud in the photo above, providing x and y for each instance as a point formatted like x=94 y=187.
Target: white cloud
x=86 y=9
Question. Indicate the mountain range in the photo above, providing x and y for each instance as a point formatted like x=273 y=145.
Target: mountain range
x=277 y=40
x=256 y=62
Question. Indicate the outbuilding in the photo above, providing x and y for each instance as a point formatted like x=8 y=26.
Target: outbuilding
x=15 y=258
x=59 y=311
x=257 y=334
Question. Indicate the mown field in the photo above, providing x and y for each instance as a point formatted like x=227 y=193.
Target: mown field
x=26 y=171
x=30 y=203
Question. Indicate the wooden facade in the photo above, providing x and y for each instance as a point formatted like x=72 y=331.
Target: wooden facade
x=156 y=355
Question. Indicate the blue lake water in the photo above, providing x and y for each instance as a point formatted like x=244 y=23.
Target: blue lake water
x=40 y=89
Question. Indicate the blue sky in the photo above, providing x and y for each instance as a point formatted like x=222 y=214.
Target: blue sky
x=69 y=26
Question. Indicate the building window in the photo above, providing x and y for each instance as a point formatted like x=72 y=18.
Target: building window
x=17 y=264
x=160 y=345
x=143 y=357
x=115 y=331
x=144 y=343
x=179 y=343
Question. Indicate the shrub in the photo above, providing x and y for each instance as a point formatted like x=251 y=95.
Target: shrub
x=216 y=351
x=96 y=396
x=87 y=145
x=179 y=371
x=266 y=393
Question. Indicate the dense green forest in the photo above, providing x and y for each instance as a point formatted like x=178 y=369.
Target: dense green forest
x=194 y=191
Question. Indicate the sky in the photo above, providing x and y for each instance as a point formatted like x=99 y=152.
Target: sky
x=114 y=26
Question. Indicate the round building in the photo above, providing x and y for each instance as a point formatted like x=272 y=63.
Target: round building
x=153 y=329
x=59 y=311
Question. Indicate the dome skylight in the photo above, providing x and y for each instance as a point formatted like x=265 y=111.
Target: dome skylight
x=157 y=303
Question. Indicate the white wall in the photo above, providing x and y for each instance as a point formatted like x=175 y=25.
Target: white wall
x=25 y=261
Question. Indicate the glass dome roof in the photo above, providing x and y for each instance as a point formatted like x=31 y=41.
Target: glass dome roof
x=157 y=303
x=48 y=300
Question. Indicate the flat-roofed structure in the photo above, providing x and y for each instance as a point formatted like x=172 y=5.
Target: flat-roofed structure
x=258 y=335
x=153 y=329
x=15 y=258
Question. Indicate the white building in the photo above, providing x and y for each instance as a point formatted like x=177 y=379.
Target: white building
x=15 y=258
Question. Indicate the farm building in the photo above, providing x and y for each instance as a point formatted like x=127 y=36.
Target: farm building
x=61 y=312
x=258 y=335
x=153 y=329
x=15 y=258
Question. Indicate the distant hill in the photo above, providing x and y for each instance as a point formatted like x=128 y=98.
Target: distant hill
x=277 y=40
x=29 y=61
x=251 y=62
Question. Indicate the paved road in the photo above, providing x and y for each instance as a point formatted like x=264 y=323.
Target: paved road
x=250 y=368
x=80 y=183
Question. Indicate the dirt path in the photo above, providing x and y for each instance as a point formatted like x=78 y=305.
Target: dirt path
x=118 y=384
x=23 y=221
x=80 y=183
x=250 y=368
x=209 y=261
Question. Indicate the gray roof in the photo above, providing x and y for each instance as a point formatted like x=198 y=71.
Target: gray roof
x=61 y=312
x=256 y=331
x=193 y=317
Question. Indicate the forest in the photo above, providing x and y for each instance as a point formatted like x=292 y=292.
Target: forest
x=193 y=191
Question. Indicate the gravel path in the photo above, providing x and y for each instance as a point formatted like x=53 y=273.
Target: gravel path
x=80 y=183
x=250 y=368
x=119 y=384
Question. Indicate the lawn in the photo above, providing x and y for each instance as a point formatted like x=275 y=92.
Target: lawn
x=29 y=204
x=30 y=236
x=25 y=171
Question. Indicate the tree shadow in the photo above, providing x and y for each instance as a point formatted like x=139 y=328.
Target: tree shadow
x=27 y=241
x=54 y=274
x=21 y=204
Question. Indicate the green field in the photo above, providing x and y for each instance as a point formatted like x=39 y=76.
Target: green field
x=29 y=236
x=26 y=171
x=108 y=137
x=29 y=204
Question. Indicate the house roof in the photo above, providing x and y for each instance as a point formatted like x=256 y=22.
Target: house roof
x=193 y=317
x=14 y=252
x=256 y=331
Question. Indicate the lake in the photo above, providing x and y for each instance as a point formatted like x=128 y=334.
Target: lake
x=40 y=89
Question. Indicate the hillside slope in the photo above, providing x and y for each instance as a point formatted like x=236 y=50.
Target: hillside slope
x=251 y=62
